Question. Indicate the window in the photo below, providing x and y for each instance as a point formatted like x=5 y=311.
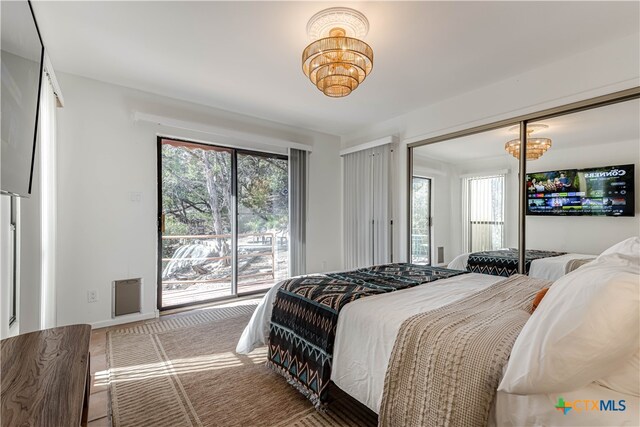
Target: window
x=421 y=221
x=485 y=223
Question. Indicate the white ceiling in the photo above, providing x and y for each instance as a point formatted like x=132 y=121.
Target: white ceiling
x=245 y=56
x=599 y=126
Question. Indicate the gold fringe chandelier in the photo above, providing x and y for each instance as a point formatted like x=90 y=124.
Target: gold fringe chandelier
x=536 y=147
x=337 y=61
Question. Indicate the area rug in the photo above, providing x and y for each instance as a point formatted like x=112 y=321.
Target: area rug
x=183 y=371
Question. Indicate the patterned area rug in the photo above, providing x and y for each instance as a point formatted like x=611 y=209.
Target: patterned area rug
x=183 y=371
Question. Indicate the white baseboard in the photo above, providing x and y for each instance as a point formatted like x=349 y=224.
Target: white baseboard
x=127 y=318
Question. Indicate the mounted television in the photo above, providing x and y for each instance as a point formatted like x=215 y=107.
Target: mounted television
x=21 y=76
x=599 y=191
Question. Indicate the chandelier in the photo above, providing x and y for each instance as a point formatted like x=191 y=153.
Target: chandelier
x=337 y=61
x=536 y=147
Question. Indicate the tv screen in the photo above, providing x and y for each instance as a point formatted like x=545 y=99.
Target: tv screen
x=599 y=191
x=21 y=76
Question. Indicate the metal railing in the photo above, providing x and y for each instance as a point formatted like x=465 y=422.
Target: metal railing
x=271 y=237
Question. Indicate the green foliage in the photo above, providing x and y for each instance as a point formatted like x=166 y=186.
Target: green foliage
x=196 y=197
x=262 y=193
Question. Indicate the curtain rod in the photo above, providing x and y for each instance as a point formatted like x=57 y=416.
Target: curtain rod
x=50 y=73
x=376 y=143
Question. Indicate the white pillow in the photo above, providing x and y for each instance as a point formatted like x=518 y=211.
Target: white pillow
x=626 y=378
x=625 y=254
x=586 y=326
x=630 y=246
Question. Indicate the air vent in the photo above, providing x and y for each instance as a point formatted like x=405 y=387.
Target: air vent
x=126 y=296
x=440 y=254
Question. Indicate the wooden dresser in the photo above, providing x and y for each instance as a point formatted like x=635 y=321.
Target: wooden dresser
x=46 y=378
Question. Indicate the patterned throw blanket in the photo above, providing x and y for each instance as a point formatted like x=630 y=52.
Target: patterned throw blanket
x=305 y=316
x=447 y=363
x=504 y=262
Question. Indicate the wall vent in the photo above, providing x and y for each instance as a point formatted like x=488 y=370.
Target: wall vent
x=126 y=297
x=440 y=254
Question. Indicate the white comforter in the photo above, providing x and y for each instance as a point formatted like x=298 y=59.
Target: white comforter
x=551 y=268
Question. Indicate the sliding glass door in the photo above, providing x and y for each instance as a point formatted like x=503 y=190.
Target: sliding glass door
x=223 y=222
x=263 y=221
x=421 y=221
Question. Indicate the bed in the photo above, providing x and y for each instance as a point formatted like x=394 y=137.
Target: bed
x=541 y=264
x=373 y=323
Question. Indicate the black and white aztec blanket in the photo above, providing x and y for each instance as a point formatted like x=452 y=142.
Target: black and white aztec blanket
x=305 y=316
x=504 y=262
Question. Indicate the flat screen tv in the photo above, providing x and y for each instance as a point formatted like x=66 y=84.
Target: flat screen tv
x=21 y=76
x=598 y=191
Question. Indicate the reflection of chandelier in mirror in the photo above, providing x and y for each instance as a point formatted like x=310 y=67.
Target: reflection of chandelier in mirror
x=536 y=147
x=337 y=61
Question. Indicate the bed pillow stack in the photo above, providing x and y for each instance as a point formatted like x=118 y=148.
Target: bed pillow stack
x=586 y=329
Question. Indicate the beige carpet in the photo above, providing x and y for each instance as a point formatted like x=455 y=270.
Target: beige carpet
x=184 y=372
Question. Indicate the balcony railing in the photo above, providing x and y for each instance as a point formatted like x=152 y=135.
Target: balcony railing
x=264 y=241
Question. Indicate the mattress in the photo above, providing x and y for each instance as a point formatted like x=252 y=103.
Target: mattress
x=551 y=268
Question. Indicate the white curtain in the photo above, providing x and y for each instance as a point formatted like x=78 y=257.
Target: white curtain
x=483 y=212
x=466 y=241
x=298 y=211
x=381 y=160
x=48 y=184
x=367 y=218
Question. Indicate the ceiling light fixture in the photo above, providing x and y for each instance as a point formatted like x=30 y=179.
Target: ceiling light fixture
x=337 y=61
x=536 y=147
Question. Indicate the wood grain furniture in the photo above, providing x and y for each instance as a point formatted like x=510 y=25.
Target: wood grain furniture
x=46 y=377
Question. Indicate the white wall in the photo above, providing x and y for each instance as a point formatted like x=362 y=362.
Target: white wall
x=585 y=235
x=104 y=155
x=607 y=68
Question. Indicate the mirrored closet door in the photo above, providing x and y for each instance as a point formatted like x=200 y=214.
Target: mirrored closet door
x=581 y=173
x=571 y=197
